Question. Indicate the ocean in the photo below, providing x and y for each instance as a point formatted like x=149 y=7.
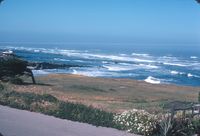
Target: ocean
x=153 y=63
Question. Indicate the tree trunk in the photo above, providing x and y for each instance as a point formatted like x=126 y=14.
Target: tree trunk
x=31 y=74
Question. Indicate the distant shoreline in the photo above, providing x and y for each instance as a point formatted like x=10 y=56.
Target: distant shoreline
x=166 y=66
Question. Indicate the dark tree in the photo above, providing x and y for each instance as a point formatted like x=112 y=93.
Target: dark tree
x=11 y=66
x=1 y=1
x=198 y=1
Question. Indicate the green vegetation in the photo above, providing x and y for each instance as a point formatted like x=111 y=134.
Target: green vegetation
x=11 y=67
x=199 y=97
x=50 y=105
x=179 y=126
x=134 y=121
x=87 y=88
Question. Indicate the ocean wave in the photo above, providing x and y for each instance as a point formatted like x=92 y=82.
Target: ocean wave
x=88 y=73
x=193 y=57
x=128 y=66
x=152 y=80
x=148 y=66
x=101 y=64
x=86 y=54
x=59 y=59
x=49 y=71
x=118 y=68
x=175 y=64
x=40 y=72
x=93 y=72
x=100 y=72
x=173 y=72
x=140 y=54
x=189 y=75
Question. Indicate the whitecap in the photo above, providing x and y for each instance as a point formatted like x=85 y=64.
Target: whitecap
x=40 y=72
x=105 y=62
x=148 y=66
x=59 y=59
x=140 y=54
x=152 y=80
x=36 y=51
x=143 y=60
x=118 y=68
x=174 y=64
x=193 y=57
x=174 y=72
x=91 y=72
x=189 y=75
x=81 y=61
x=128 y=66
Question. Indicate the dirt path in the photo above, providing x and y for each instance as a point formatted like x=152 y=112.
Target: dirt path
x=14 y=122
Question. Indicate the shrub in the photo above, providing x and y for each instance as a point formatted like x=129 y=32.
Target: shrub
x=11 y=66
x=1 y=87
x=177 y=126
x=50 y=105
x=82 y=113
x=196 y=125
x=16 y=80
x=136 y=121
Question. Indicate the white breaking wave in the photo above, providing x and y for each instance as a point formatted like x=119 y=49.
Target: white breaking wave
x=87 y=55
x=189 y=75
x=148 y=66
x=121 y=65
x=175 y=64
x=49 y=71
x=89 y=73
x=40 y=72
x=93 y=72
x=119 y=68
x=193 y=57
x=128 y=66
x=173 y=72
x=59 y=59
x=152 y=80
x=142 y=54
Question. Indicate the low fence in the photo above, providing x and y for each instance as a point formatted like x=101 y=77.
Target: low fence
x=189 y=111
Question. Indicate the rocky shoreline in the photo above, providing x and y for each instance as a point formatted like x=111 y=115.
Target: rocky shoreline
x=46 y=65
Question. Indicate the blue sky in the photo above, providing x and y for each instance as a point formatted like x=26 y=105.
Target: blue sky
x=141 y=21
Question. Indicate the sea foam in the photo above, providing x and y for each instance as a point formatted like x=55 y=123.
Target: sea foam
x=152 y=80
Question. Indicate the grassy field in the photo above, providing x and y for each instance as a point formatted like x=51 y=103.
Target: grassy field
x=114 y=95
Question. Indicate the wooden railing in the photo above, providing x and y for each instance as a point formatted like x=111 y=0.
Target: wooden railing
x=192 y=110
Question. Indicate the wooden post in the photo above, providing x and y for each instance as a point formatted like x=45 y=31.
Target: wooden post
x=31 y=74
x=183 y=113
x=172 y=113
x=192 y=111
